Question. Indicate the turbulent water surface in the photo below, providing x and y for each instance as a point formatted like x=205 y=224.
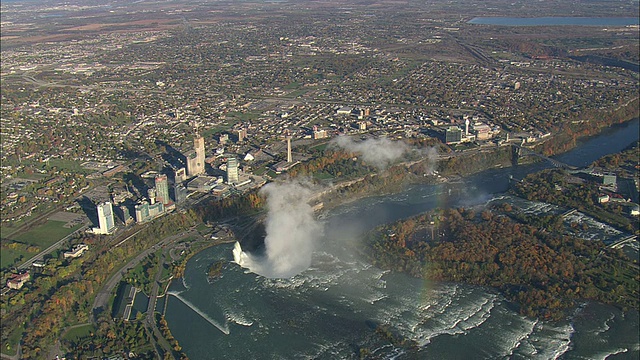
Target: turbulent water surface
x=330 y=310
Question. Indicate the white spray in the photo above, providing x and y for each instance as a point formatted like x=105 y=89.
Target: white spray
x=292 y=230
x=378 y=152
x=382 y=152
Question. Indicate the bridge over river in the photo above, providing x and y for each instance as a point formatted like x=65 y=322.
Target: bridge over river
x=521 y=151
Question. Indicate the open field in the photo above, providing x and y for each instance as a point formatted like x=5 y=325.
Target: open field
x=33 y=241
x=79 y=332
x=46 y=234
x=10 y=346
x=11 y=256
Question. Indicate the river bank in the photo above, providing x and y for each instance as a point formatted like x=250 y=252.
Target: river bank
x=530 y=259
x=449 y=167
x=328 y=310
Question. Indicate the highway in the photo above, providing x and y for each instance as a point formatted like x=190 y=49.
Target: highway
x=102 y=298
x=101 y=304
x=150 y=320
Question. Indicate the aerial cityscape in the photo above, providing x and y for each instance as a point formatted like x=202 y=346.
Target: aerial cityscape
x=320 y=179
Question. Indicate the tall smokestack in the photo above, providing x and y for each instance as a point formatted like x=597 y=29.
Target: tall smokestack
x=466 y=127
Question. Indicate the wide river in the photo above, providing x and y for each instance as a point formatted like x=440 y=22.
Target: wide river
x=555 y=21
x=329 y=311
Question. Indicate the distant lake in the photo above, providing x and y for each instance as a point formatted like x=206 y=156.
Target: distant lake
x=552 y=21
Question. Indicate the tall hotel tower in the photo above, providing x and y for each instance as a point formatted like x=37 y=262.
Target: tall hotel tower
x=195 y=160
x=105 y=219
x=162 y=189
x=232 y=171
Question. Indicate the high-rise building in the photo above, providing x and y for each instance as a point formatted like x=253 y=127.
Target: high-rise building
x=179 y=193
x=106 y=222
x=142 y=212
x=162 y=189
x=124 y=214
x=156 y=209
x=289 y=157
x=198 y=146
x=195 y=160
x=232 y=171
x=453 y=135
x=181 y=176
x=242 y=133
x=151 y=194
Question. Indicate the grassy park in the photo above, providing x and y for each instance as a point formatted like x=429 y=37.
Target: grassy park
x=27 y=244
x=79 y=332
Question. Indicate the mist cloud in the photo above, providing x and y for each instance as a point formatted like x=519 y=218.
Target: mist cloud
x=431 y=154
x=292 y=230
x=380 y=152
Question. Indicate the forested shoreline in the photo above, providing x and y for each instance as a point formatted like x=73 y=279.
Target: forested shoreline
x=542 y=271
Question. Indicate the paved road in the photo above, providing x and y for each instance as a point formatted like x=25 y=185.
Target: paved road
x=150 y=320
x=103 y=295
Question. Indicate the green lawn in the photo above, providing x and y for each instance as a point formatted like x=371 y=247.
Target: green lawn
x=41 y=236
x=292 y=86
x=297 y=93
x=79 y=332
x=203 y=229
x=6 y=230
x=259 y=170
x=61 y=164
x=234 y=117
x=10 y=347
x=8 y=257
x=46 y=234
x=323 y=176
x=166 y=274
x=320 y=147
x=30 y=176
x=189 y=239
x=210 y=132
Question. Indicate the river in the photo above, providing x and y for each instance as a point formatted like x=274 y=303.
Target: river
x=329 y=311
x=555 y=21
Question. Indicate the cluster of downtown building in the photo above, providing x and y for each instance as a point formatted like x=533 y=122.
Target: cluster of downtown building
x=193 y=178
x=163 y=196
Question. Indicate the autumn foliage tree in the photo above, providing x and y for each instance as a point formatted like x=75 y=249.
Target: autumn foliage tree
x=542 y=270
